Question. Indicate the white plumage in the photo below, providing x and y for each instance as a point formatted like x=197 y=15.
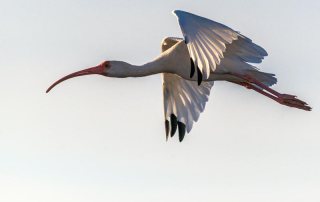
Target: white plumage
x=209 y=52
x=183 y=99
x=206 y=40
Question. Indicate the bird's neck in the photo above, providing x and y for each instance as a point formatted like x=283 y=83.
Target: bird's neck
x=159 y=65
x=172 y=60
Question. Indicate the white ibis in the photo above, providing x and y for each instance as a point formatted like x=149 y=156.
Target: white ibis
x=208 y=52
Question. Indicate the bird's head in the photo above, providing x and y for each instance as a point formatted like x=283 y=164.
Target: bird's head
x=106 y=68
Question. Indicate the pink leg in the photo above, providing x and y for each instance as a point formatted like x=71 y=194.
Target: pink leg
x=263 y=86
x=287 y=100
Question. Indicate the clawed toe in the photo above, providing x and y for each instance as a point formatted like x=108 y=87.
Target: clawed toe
x=292 y=98
x=294 y=102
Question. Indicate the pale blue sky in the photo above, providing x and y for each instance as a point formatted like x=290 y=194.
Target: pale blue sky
x=102 y=139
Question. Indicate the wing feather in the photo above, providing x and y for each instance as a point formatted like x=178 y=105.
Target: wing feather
x=210 y=42
x=193 y=28
x=184 y=99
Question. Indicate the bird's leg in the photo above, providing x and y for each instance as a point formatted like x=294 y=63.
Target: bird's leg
x=263 y=86
x=284 y=100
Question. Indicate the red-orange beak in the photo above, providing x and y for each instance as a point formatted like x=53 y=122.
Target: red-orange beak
x=93 y=70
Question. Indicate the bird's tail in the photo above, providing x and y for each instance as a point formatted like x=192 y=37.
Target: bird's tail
x=265 y=78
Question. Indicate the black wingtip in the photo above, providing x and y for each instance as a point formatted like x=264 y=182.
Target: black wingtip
x=182 y=130
x=166 y=123
x=186 y=41
x=199 y=76
x=193 y=69
x=174 y=123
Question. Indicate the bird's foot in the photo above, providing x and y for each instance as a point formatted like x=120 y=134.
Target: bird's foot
x=293 y=101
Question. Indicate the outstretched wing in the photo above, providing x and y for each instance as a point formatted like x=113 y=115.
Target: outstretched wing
x=183 y=100
x=207 y=42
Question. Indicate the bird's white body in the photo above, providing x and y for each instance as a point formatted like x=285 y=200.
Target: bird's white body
x=209 y=51
x=176 y=59
x=183 y=97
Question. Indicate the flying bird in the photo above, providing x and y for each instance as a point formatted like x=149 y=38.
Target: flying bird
x=209 y=51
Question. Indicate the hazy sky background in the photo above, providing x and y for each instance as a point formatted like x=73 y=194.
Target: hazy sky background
x=102 y=139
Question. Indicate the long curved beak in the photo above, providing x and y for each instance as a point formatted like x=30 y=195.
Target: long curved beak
x=92 y=70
